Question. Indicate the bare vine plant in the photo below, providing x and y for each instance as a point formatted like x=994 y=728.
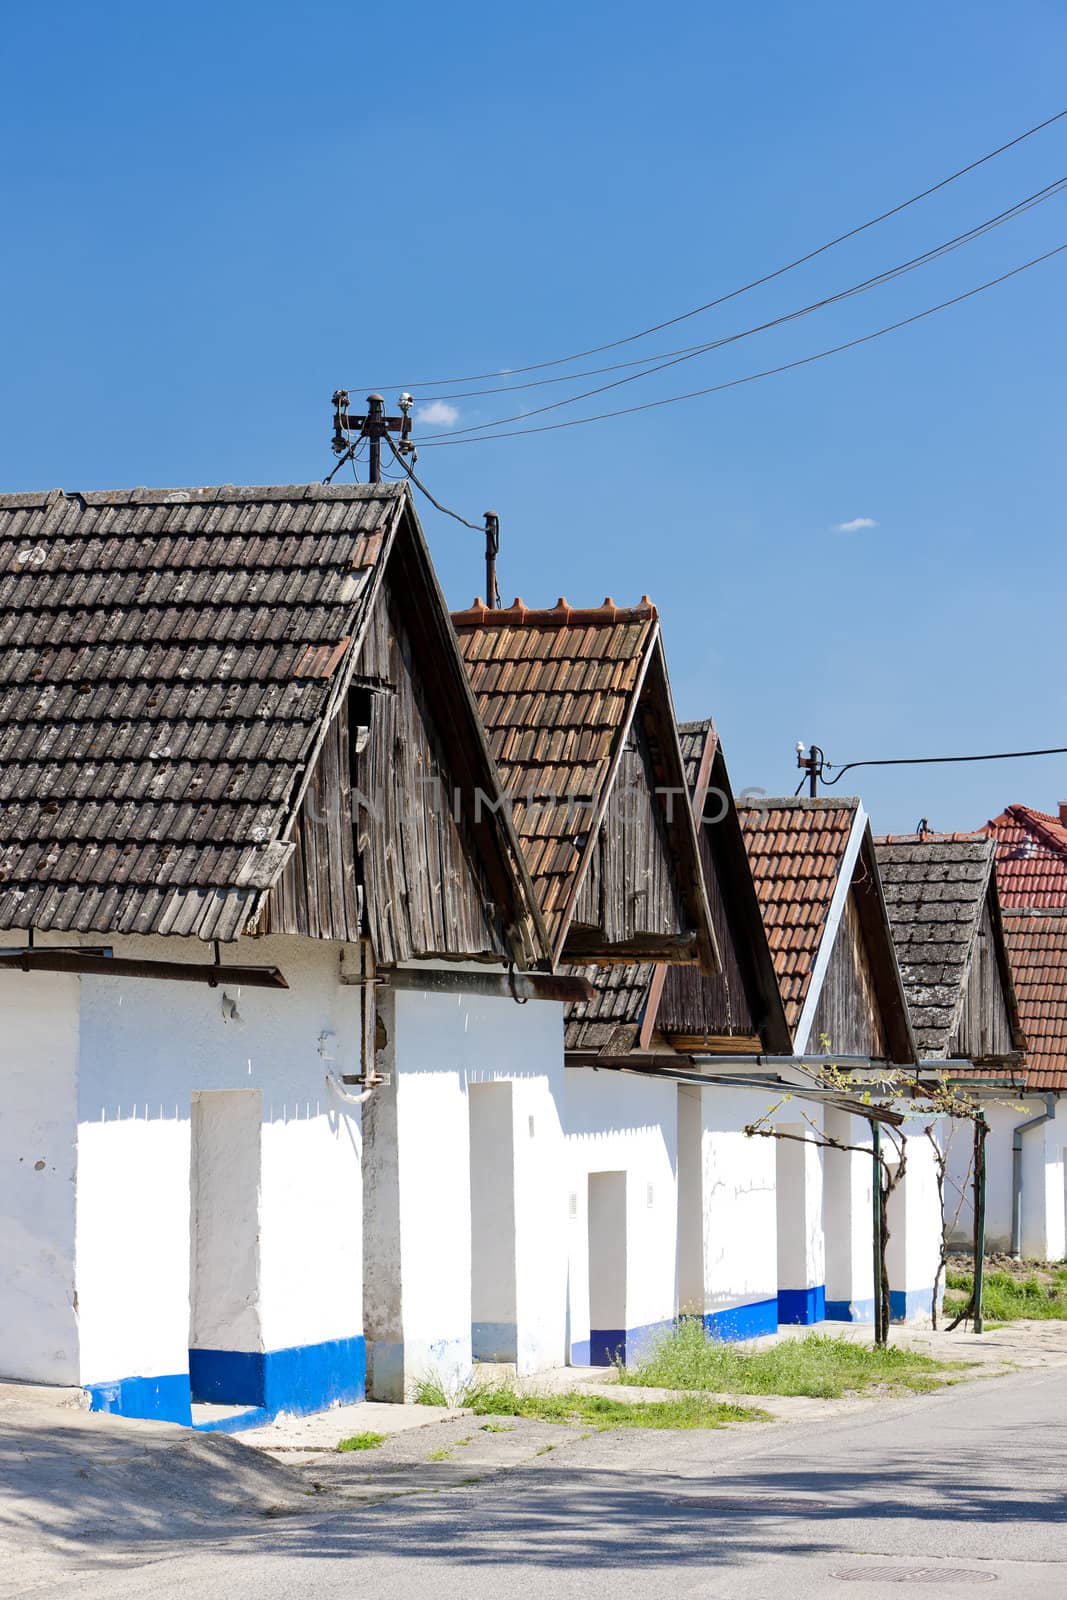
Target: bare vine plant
x=887 y=1101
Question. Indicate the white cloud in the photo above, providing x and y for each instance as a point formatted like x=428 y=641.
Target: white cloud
x=439 y=412
x=855 y=526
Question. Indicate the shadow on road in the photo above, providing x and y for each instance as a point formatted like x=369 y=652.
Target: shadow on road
x=549 y=1516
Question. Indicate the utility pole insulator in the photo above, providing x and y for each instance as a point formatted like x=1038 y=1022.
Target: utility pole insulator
x=492 y=550
x=812 y=764
x=374 y=426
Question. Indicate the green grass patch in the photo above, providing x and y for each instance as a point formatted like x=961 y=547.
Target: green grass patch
x=601 y=1411
x=1005 y=1298
x=362 y=1441
x=822 y=1365
x=430 y=1391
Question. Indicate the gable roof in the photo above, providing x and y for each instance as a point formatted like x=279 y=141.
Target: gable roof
x=798 y=849
x=1031 y=858
x=558 y=690
x=936 y=887
x=172 y=659
x=807 y=854
x=1037 y=948
x=627 y=1000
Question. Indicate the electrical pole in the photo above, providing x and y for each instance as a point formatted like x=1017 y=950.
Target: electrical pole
x=812 y=764
x=374 y=427
x=492 y=550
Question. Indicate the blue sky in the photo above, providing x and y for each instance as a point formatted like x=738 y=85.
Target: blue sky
x=218 y=214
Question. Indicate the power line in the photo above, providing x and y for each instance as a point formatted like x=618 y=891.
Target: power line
x=756 y=283
x=751 y=377
x=957 y=241
x=676 y=358
x=350 y=455
x=420 y=485
x=925 y=761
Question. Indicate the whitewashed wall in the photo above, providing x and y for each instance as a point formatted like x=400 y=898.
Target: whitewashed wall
x=1043 y=1210
x=848 y=1211
x=1002 y=1119
x=619 y=1123
x=1052 y=1236
x=38 y=1153
x=739 y=1215
x=914 y=1221
x=418 y=1216
x=146 y=1048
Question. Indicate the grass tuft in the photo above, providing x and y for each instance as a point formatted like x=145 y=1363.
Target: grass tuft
x=1006 y=1297
x=822 y=1365
x=431 y=1391
x=362 y=1441
x=600 y=1411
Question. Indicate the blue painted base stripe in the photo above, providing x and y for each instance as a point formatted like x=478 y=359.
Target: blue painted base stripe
x=605 y=1346
x=494 y=1341
x=743 y=1322
x=850 y=1310
x=299 y=1380
x=228 y=1377
x=802 y=1305
x=904 y=1304
x=254 y=1417
x=162 y=1399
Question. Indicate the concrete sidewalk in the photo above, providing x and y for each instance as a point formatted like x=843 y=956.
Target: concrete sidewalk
x=96 y=1490
x=933 y=1495
x=82 y=1492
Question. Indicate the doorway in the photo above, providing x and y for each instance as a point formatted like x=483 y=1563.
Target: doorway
x=494 y=1335
x=607 y=1267
x=225 y=1344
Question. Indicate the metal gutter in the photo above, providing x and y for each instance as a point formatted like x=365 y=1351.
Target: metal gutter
x=859 y=1108
x=528 y=985
x=42 y=958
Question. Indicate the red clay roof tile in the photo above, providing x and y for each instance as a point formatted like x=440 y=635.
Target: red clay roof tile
x=554 y=688
x=796 y=848
x=1031 y=858
x=1037 y=948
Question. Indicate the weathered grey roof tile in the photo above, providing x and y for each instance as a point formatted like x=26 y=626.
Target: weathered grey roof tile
x=168 y=657
x=935 y=889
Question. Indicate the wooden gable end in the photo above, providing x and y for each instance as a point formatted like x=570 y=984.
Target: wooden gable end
x=848 y=1014
x=383 y=845
x=318 y=893
x=694 y=1009
x=985 y=1026
x=630 y=903
x=425 y=890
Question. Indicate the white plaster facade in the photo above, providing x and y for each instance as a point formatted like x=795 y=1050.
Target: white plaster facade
x=116 y=1271
x=177 y=1174
x=1044 y=1178
x=39 y=1030
x=914 y=1220
x=779 y=1230
x=465 y=1221
x=731 y=1271
x=848 y=1208
x=622 y=1207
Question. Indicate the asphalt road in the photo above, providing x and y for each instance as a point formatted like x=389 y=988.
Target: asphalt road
x=962 y=1492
